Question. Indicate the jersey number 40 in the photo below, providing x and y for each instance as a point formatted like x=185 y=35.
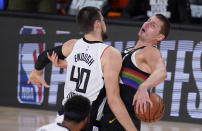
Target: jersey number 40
x=82 y=78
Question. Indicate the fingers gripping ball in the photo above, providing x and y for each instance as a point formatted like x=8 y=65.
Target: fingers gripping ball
x=154 y=113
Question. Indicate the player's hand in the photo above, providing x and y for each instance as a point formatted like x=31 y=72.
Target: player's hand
x=140 y=100
x=57 y=62
x=36 y=78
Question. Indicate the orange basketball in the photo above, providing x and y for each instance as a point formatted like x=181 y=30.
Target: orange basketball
x=154 y=113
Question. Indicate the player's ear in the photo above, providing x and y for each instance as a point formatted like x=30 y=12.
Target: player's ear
x=96 y=23
x=160 y=37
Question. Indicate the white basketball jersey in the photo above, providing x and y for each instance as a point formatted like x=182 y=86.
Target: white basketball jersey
x=84 y=72
x=53 y=127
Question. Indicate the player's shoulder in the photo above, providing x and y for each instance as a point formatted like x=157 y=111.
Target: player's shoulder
x=70 y=42
x=149 y=50
x=68 y=47
x=111 y=51
x=112 y=57
x=151 y=53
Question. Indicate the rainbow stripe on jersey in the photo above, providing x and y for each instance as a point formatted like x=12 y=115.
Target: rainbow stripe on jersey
x=132 y=78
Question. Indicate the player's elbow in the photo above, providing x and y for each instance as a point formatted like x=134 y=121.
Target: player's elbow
x=163 y=73
x=112 y=102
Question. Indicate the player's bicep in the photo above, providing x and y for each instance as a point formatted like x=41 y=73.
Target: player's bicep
x=111 y=71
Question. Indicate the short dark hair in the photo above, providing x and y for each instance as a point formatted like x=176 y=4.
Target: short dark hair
x=76 y=108
x=86 y=18
x=165 y=29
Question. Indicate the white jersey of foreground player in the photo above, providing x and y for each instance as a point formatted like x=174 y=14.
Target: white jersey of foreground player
x=84 y=71
x=53 y=127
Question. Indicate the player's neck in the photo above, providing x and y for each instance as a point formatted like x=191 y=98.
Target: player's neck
x=141 y=43
x=72 y=125
x=93 y=37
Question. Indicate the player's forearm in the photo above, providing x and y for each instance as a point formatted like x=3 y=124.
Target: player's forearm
x=118 y=108
x=155 y=78
x=62 y=64
x=43 y=60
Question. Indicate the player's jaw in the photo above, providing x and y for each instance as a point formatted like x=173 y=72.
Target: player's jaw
x=104 y=34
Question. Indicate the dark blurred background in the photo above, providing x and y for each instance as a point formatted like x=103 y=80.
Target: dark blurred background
x=178 y=11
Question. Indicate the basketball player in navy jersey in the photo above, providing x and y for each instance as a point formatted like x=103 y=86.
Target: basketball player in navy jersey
x=142 y=69
x=75 y=117
x=89 y=61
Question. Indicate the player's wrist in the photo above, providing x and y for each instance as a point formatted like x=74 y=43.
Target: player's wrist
x=38 y=71
x=143 y=87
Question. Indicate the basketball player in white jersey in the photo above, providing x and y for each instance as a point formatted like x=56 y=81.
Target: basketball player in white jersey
x=93 y=67
x=75 y=117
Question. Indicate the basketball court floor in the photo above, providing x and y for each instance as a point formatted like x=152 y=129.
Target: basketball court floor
x=20 y=119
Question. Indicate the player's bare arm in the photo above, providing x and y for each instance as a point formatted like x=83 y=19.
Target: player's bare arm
x=36 y=75
x=111 y=65
x=68 y=46
x=66 y=50
x=57 y=62
x=152 y=58
x=156 y=63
